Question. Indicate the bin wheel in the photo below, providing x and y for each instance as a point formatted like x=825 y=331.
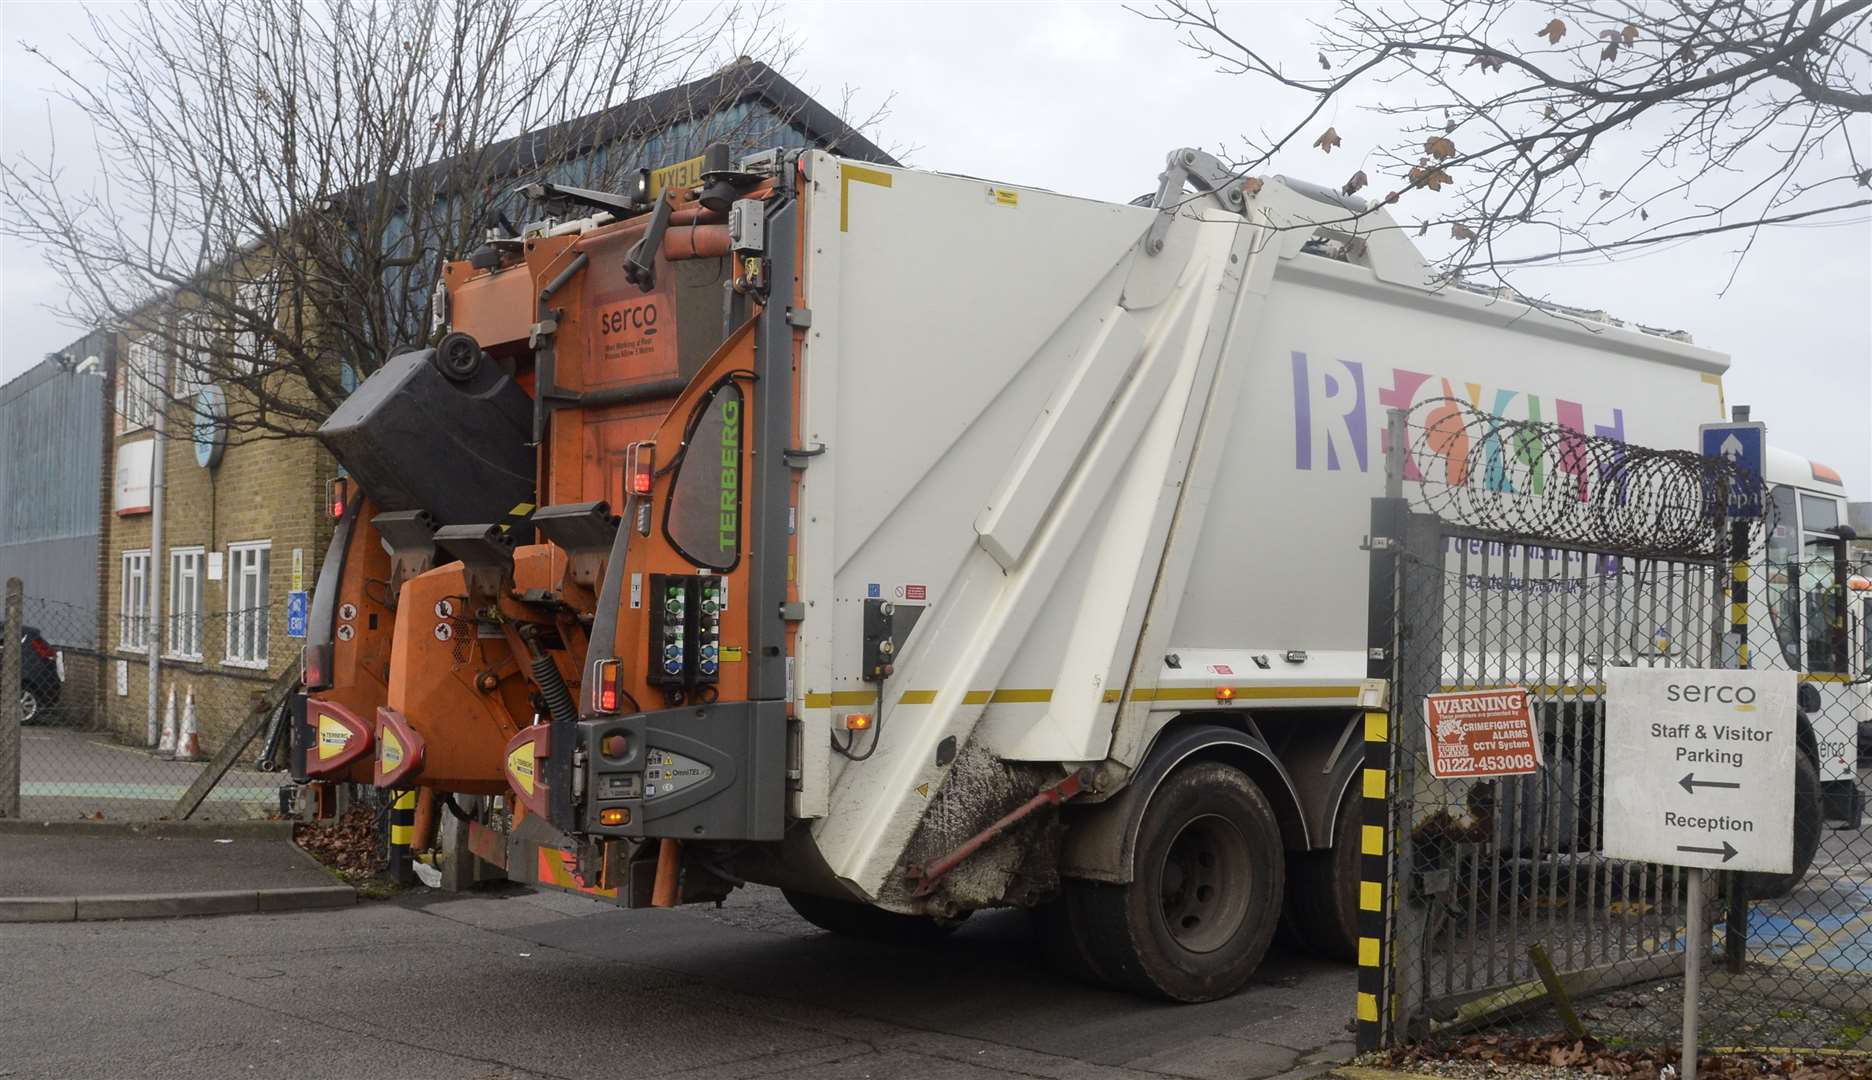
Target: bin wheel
x=458 y=357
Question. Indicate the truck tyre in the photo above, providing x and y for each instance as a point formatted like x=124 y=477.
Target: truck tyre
x=849 y=919
x=1205 y=895
x=1807 y=811
x=1321 y=912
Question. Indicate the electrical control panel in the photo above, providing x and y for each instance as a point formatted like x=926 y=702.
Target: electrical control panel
x=685 y=630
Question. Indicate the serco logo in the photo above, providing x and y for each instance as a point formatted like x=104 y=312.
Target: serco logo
x=641 y=318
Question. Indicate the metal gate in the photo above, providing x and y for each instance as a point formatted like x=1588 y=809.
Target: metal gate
x=1488 y=901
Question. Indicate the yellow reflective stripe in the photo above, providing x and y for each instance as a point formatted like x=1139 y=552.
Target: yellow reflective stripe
x=847 y=173
x=1368 y=952
x=1738 y=614
x=400 y=835
x=1374 y=783
x=917 y=697
x=841 y=698
x=1739 y=571
x=1829 y=678
x=1368 y=1007
x=1020 y=697
x=405 y=800
x=1111 y=696
x=1370 y=895
x=976 y=697
x=1248 y=693
x=1372 y=839
x=1377 y=727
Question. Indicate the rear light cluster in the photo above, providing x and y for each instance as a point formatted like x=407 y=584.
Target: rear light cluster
x=41 y=649
x=315 y=667
x=339 y=496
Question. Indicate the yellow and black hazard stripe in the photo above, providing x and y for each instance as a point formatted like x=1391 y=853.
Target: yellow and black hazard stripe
x=1374 y=879
x=402 y=831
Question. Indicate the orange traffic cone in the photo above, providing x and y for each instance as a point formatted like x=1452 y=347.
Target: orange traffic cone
x=166 y=746
x=188 y=740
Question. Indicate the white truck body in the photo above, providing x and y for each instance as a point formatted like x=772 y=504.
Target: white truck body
x=1083 y=457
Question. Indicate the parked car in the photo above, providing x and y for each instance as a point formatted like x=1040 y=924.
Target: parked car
x=40 y=683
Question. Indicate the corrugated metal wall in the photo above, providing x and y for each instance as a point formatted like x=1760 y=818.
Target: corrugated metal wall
x=51 y=447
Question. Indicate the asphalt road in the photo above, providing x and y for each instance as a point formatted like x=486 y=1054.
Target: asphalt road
x=522 y=985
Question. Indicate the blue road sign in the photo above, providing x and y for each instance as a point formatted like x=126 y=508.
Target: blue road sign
x=296 y=614
x=1744 y=445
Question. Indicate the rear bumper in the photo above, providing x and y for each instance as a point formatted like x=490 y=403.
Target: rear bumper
x=703 y=772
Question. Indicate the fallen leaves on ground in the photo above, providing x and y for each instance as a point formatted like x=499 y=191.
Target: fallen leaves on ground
x=351 y=845
x=1594 y=1057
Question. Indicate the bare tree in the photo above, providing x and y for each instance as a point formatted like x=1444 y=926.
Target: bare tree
x=279 y=181
x=1534 y=132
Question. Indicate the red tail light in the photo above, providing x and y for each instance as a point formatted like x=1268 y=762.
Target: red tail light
x=605 y=694
x=41 y=649
x=642 y=462
x=338 y=499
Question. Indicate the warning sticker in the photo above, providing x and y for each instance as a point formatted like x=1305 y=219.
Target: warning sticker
x=333 y=737
x=916 y=592
x=520 y=767
x=389 y=750
x=1476 y=733
x=1221 y=669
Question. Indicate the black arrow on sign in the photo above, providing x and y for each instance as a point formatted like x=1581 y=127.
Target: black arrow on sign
x=1690 y=783
x=1726 y=851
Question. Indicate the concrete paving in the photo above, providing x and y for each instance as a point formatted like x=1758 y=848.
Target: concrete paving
x=520 y=985
x=67 y=774
x=61 y=864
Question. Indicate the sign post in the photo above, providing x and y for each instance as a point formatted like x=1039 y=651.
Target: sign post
x=1699 y=773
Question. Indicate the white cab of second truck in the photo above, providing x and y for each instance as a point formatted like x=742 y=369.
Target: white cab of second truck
x=1066 y=439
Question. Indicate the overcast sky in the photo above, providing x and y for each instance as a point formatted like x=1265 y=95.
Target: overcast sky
x=1087 y=99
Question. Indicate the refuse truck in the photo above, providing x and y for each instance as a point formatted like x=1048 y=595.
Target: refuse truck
x=919 y=544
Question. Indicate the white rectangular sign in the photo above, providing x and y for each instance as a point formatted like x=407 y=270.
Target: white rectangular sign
x=1699 y=767
x=130 y=488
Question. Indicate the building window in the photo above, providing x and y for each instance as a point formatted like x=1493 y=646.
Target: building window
x=259 y=301
x=133 y=612
x=138 y=391
x=247 y=604
x=194 y=353
x=185 y=603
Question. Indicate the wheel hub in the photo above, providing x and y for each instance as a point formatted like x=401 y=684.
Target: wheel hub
x=1205 y=883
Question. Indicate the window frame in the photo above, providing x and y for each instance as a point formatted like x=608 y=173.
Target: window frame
x=138 y=393
x=133 y=622
x=245 y=619
x=173 y=624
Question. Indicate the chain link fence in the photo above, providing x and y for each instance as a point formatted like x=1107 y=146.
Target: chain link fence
x=1504 y=920
x=89 y=746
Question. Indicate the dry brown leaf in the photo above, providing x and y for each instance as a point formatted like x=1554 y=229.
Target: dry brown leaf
x=1630 y=33
x=1423 y=229
x=1610 y=52
x=1548 y=113
x=1323 y=63
x=1553 y=32
x=1604 y=195
x=1433 y=178
x=1440 y=147
x=1357 y=181
x=1251 y=185
x=1327 y=140
x=1487 y=61
x=1460 y=231
x=1644 y=215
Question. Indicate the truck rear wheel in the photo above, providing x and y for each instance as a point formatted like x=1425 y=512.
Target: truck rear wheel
x=1205 y=896
x=1321 y=911
x=1807 y=813
x=849 y=919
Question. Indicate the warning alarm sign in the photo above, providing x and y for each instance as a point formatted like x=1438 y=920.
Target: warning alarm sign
x=1480 y=733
